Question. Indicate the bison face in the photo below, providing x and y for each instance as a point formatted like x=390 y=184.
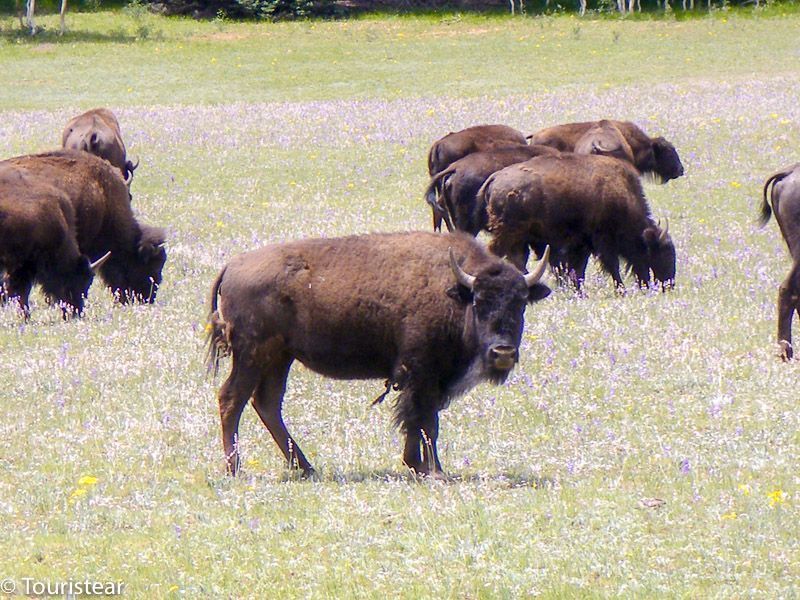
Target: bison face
x=497 y=296
x=661 y=254
x=136 y=275
x=667 y=162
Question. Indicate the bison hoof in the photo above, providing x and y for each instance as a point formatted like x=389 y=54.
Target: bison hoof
x=786 y=352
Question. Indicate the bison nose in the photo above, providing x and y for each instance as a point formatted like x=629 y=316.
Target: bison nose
x=503 y=357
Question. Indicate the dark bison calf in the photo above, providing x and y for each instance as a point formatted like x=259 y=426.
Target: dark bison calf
x=38 y=244
x=452 y=193
x=579 y=205
x=104 y=219
x=456 y=145
x=97 y=131
x=432 y=314
x=654 y=156
x=785 y=196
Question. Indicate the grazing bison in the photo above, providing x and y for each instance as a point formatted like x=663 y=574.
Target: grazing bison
x=579 y=205
x=38 y=244
x=785 y=196
x=393 y=306
x=452 y=192
x=456 y=145
x=104 y=220
x=97 y=131
x=653 y=156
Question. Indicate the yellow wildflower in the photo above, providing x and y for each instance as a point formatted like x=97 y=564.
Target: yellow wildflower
x=87 y=480
x=776 y=498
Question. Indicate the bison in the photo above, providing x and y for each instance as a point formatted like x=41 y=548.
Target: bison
x=38 y=244
x=785 y=196
x=104 y=220
x=452 y=192
x=453 y=146
x=653 y=156
x=433 y=314
x=97 y=131
x=579 y=205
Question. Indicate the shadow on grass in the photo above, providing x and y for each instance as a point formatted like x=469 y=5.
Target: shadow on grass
x=17 y=35
x=511 y=480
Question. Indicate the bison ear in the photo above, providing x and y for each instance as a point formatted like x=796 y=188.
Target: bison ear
x=460 y=293
x=539 y=291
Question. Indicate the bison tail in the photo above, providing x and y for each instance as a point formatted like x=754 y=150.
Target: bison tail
x=433 y=195
x=217 y=332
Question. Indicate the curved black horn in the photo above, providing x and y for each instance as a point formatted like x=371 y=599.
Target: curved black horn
x=462 y=276
x=534 y=276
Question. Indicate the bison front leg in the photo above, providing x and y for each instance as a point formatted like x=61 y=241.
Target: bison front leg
x=422 y=435
x=788 y=303
x=18 y=285
x=268 y=402
x=233 y=396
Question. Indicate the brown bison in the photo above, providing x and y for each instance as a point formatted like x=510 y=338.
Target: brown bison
x=456 y=145
x=97 y=131
x=653 y=156
x=785 y=198
x=38 y=244
x=104 y=220
x=452 y=192
x=579 y=205
x=432 y=314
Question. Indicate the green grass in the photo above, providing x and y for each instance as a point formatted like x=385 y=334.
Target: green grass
x=323 y=130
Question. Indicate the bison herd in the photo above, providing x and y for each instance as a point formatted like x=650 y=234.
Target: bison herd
x=433 y=314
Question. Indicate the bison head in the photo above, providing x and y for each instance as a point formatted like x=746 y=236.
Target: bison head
x=496 y=297
x=667 y=163
x=69 y=288
x=660 y=254
x=136 y=274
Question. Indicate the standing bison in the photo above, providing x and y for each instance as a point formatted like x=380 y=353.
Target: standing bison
x=456 y=145
x=579 y=205
x=452 y=192
x=785 y=198
x=653 y=156
x=38 y=244
x=103 y=217
x=97 y=131
x=432 y=314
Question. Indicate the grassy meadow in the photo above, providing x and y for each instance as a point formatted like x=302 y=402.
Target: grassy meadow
x=646 y=446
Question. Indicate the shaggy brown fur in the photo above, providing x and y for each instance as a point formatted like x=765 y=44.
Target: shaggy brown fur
x=97 y=131
x=579 y=205
x=452 y=192
x=479 y=138
x=38 y=244
x=382 y=306
x=104 y=219
x=785 y=198
x=655 y=156
x=605 y=139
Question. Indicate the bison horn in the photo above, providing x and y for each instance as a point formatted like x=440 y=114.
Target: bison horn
x=664 y=232
x=534 y=276
x=462 y=277
x=128 y=180
x=131 y=166
x=100 y=261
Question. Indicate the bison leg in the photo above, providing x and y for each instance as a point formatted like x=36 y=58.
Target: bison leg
x=788 y=303
x=268 y=401
x=18 y=285
x=422 y=432
x=233 y=396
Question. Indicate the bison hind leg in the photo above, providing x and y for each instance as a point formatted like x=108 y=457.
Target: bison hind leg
x=233 y=396
x=268 y=402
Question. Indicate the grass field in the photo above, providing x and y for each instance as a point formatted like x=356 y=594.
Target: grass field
x=247 y=134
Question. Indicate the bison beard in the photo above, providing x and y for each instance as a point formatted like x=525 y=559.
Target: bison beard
x=389 y=306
